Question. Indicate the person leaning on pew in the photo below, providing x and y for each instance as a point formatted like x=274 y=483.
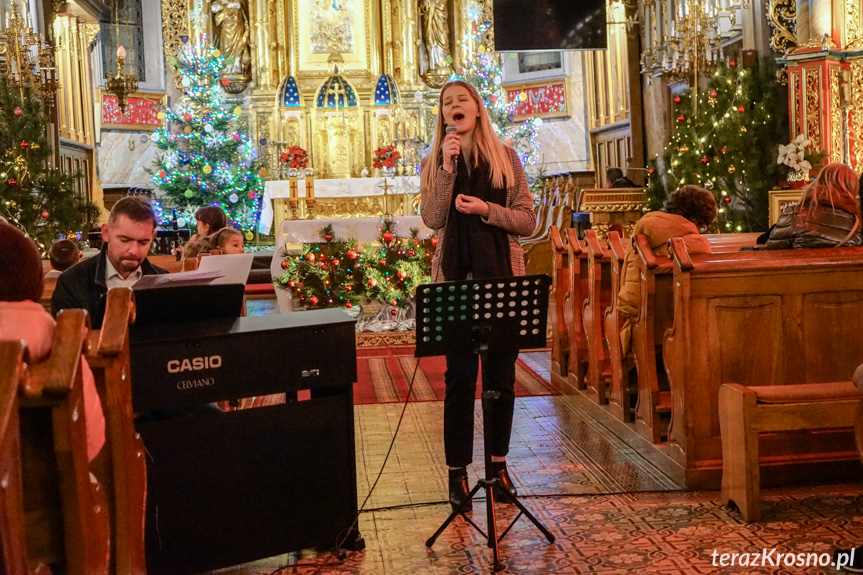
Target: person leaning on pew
x=23 y=317
x=127 y=236
x=827 y=215
x=686 y=213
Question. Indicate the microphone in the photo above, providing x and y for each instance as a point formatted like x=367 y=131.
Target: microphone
x=453 y=130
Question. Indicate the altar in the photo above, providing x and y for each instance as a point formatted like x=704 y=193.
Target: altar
x=340 y=198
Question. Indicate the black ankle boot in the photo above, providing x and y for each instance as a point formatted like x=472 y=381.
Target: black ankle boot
x=458 y=488
x=498 y=469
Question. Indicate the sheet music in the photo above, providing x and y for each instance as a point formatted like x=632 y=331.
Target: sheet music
x=182 y=278
x=234 y=268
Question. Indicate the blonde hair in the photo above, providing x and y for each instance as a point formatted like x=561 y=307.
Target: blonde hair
x=837 y=185
x=486 y=144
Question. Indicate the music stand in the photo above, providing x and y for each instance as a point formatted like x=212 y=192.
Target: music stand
x=500 y=314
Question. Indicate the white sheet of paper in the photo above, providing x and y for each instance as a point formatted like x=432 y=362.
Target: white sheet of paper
x=180 y=278
x=233 y=267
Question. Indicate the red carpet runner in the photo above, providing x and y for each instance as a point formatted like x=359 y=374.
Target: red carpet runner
x=384 y=374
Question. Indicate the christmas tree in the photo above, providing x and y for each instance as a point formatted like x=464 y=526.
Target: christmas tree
x=325 y=274
x=204 y=157
x=38 y=199
x=483 y=71
x=728 y=145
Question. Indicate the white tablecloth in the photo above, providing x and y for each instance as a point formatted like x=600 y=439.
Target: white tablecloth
x=332 y=188
x=363 y=229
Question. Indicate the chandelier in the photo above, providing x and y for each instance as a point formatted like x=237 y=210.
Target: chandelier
x=26 y=59
x=121 y=85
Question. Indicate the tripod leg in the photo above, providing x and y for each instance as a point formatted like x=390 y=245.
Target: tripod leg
x=529 y=515
x=455 y=513
x=492 y=525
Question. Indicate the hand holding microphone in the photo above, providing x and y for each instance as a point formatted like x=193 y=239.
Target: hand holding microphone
x=451 y=148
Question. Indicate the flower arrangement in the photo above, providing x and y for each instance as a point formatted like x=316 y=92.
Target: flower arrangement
x=793 y=155
x=295 y=157
x=386 y=157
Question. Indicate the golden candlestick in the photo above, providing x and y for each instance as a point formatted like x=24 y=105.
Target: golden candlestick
x=27 y=59
x=386 y=187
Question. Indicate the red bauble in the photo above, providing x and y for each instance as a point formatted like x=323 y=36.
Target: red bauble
x=726 y=199
x=680 y=118
x=650 y=171
x=713 y=93
x=384 y=262
x=416 y=241
x=704 y=160
x=732 y=63
x=252 y=195
x=388 y=237
x=310 y=257
x=45 y=214
x=677 y=99
x=313 y=300
x=302 y=298
x=348 y=288
x=237 y=137
x=434 y=241
x=402 y=275
x=25 y=144
x=411 y=253
x=328 y=237
x=292 y=283
x=11 y=182
x=722 y=150
x=741 y=109
x=393 y=312
x=18 y=111
x=225 y=82
x=187 y=117
x=335 y=261
x=284 y=264
x=349 y=305
x=352 y=254
x=394 y=303
x=492 y=98
x=372 y=283
x=163 y=173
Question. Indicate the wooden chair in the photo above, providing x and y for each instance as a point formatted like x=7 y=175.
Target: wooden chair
x=13 y=373
x=573 y=309
x=624 y=386
x=598 y=299
x=744 y=412
x=559 y=289
x=65 y=507
x=120 y=467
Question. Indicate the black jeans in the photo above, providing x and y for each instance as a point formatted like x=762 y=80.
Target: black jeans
x=461 y=372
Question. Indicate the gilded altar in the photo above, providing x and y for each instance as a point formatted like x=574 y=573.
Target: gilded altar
x=338 y=78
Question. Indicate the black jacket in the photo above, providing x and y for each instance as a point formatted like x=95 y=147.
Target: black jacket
x=823 y=227
x=83 y=286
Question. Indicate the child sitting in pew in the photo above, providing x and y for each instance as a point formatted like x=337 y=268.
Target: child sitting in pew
x=686 y=213
x=827 y=215
x=22 y=317
x=226 y=240
x=63 y=254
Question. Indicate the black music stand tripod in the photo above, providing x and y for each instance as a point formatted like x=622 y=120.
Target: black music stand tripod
x=493 y=314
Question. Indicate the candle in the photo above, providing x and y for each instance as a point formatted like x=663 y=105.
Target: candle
x=310 y=187
x=121 y=52
x=293 y=186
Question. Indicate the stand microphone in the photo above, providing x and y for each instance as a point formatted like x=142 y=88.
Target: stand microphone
x=453 y=130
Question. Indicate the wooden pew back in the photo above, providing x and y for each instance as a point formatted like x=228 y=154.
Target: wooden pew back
x=598 y=299
x=574 y=309
x=559 y=289
x=623 y=384
x=759 y=318
x=13 y=372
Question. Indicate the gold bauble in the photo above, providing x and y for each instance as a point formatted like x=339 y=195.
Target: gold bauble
x=249 y=236
x=238 y=110
x=160 y=115
x=481 y=49
x=207 y=169
x=263 y=172
x=216 y=53
x=187 y=130
x=731 y=169
x=434 y=110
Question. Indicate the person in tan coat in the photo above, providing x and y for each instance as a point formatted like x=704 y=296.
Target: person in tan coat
x=685 y=214
x=475 y=195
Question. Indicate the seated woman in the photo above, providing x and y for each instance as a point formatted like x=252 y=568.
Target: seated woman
x=22 y=317
x=208 y=219
x=828 y=214
x=686 y=213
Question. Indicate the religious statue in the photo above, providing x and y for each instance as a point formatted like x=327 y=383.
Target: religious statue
x=232 y=34
x=434 y=47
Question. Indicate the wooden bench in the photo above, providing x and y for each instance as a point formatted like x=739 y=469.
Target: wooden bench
x=744 y=412
x=556 y=315
x=599 y=297
x=573 y=310
x=65 y=507
x=769 y=318
x=624 y=387
x=13 y=374
x=120 y=467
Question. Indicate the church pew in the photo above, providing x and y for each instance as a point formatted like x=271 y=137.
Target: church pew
x=120 y=467
x=13 y=372
x=542 y=210
x=573 y=309
x=807 y=306
x=655 y=315
x=537 y=252
x=559 y=289
x=65 y=507
x=624 y=389
x=598 y=298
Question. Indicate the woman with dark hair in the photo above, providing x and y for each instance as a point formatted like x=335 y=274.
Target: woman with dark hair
x=209 y=219
x=475 y=194
x=827 y=215
x=686 y=213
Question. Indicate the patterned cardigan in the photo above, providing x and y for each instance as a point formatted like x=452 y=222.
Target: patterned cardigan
x=517 y=218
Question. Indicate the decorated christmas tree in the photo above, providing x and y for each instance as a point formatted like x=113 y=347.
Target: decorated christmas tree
x=728 y=145
x=483 y=71
x=325 y=274
x=38 y=199
x=204 y=156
